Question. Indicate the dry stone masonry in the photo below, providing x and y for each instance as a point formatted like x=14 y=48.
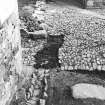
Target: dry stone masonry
x=10 y=50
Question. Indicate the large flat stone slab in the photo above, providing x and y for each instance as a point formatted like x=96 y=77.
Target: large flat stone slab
x=85 y=90
x=60 y=89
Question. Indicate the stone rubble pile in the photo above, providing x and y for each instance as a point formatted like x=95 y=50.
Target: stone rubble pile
x=33 y=34
x=84 y=39
x=33 y=89
x=30 y=23
x=85 y=90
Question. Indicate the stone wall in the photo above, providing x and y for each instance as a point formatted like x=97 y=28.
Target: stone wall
x=10 y=50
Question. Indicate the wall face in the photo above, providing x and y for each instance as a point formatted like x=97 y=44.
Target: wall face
x=10 y=50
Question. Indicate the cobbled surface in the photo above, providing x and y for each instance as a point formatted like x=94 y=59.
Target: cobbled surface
x=84 y=39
